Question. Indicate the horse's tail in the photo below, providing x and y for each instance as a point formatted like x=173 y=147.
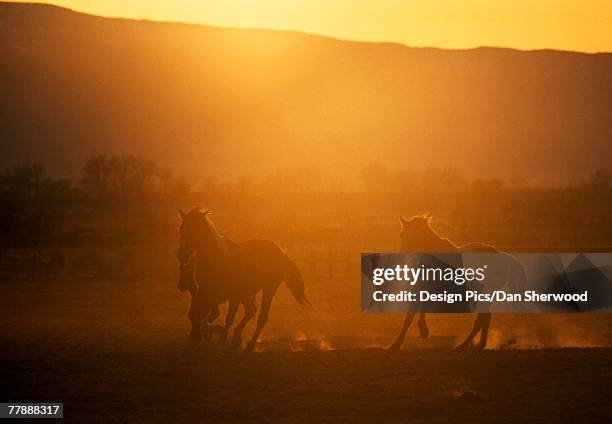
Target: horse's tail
x=295 y=283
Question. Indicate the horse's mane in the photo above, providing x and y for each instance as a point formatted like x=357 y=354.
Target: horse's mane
x=425 y=220
x=219 y=239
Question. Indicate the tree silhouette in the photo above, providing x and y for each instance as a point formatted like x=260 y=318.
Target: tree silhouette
x=26 y=181
x=121 y=176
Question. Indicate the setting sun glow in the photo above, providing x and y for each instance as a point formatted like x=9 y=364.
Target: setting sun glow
x=539 y=24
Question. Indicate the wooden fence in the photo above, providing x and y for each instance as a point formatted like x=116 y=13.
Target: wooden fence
x=327 y=263
x=321 y=263
x=100 y=265
x=42 y=265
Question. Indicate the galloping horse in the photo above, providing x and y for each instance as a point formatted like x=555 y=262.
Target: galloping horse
x=188 y=282
x=226 y=270
x=417 y=235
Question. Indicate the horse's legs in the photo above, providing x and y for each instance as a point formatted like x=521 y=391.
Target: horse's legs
x=402 y=335
x=266 y=302
x=195 y=315
x=422 y=323
x=229 y=318
x=484 y=330
x=249 y=312
x=214 y=314
x=478 y=322
x=208 y=330
x=423 y=328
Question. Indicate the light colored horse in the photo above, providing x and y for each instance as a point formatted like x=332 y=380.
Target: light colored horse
x=417 y=236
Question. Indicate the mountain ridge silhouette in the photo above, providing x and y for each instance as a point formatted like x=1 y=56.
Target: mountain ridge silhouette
x=227 y=102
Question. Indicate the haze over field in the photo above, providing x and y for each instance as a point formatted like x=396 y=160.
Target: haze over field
x=155 y=175
x=220 y=102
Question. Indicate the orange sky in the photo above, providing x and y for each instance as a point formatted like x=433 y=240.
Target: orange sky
x=560 y=24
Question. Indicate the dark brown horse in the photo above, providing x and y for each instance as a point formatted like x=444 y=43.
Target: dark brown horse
x=226 y=270
x=417 y=235
x=188 y=283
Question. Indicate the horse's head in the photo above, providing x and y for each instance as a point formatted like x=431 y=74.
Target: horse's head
x=194 y=229
x=187 y=281
x=416 y=233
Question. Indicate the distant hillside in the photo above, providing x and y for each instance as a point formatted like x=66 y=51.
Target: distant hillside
x=228 y=102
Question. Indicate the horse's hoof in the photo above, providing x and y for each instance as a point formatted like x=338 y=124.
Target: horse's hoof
x=249 y=348
x=423 y=330
x=195 y=336
x=464 y=346
x=394 y=347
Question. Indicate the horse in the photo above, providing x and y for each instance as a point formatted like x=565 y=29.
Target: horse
x=417 y=235
x=235 y=271
x=187 y=283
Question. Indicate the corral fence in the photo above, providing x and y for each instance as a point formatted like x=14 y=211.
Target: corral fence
x=326 y=263
x=118 y=265
x=320 y=263
x=76 y=264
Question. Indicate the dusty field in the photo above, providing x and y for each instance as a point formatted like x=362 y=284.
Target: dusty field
x=116 y=353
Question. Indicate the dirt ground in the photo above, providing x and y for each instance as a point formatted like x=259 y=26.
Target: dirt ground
x=119 y=353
